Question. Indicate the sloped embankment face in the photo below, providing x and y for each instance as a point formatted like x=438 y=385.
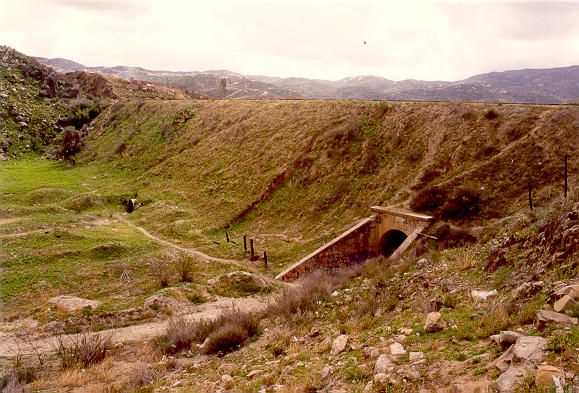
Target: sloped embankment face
x=296 y=173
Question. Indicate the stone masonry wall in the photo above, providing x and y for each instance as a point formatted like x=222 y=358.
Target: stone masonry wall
x=352 y=247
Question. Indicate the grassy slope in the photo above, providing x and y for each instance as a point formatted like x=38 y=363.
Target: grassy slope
x=317 y=166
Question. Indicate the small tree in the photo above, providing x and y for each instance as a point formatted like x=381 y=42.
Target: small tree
x=223 y=87
x=69 y=144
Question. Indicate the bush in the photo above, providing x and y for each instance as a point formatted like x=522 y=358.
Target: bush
x=227 y=339
x=491 y=114
x=83 y=350
x=69 y=144
x=429 y=199
x=464 y=203
x=181 y=334
x=161 y=270
x=451 y=236
x=185 y=266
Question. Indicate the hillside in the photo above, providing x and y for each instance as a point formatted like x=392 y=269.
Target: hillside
x=37 y=103
x=533 y=86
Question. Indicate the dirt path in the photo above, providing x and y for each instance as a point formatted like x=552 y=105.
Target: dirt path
x=12 y=344
x=200 y=254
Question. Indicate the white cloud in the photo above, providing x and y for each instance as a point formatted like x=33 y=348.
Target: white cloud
x=323 y=39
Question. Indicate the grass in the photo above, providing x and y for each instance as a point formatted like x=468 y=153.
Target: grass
x=83 y=350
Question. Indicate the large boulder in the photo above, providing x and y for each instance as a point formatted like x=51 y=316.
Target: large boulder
x=546 y=317
x=520 y=361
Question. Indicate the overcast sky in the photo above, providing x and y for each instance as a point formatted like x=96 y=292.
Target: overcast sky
x=314 y=39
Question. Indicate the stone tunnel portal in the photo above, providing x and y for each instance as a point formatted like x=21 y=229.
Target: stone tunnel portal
x=390 y=241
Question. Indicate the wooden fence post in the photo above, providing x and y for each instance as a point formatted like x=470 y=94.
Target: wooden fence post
x=244 y=243
x=251 y=247
x=565 y=193
x=265 y=259
x=530 y=197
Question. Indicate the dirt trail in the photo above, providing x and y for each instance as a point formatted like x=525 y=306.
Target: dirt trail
x=201 y=254
x=12 y=344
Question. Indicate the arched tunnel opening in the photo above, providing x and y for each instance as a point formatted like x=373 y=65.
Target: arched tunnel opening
x=390 y=241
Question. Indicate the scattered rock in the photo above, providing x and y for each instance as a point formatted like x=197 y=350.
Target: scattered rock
x=254 y=373
x=510 y=379
x=545 y=375
x=483 y=295
x=530 y=348
x=73 y=303
x=383 y=365
x=226 y=380
x=571 y=290
x=339 y=344
x=409 y=373
x=396 y=349
x=527 y=290
x=326 y=372
x=521 y=360
x=324 y=345
x=416 y=356
x=564 y=304
x=406 y=331
x=434 y=322
x=508 y=337
x=422 y=263
x=545 y=317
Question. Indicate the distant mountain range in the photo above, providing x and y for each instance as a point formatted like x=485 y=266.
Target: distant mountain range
x=533 y=86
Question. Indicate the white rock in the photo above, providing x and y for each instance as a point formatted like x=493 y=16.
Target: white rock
x=339 y=344
x=483 y=295
x=434 y=322
x=383 y=365
x=416 y=356
x=396 y=349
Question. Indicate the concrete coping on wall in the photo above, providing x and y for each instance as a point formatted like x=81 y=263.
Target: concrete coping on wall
x=397 y=211
x=325 y=246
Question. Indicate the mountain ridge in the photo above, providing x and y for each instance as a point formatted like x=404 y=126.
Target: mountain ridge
x=533 y=85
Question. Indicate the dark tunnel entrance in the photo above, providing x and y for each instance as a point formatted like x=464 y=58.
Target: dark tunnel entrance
x=390 y=241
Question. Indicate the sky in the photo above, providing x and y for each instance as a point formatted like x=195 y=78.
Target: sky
x=331 y=39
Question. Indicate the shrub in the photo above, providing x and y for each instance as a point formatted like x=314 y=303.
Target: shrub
x=451 y=236
x=83 y=350
x=463 y=203
x=227 y=339
x=161 y=270
x=185 y=265
x=429 y=199
x=491 y=114
x=68 y=144
x=181 y=334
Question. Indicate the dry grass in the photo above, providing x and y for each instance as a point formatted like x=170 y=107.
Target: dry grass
x=465 y=260
x=185 y=266
x=161 y=269
x=83 y=350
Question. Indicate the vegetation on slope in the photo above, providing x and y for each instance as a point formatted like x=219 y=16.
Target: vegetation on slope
x=294 y=174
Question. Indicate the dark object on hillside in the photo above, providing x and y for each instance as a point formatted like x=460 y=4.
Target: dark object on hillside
x=130 y=204
x=438 y=201
x=69 y=144
x=451 y=236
